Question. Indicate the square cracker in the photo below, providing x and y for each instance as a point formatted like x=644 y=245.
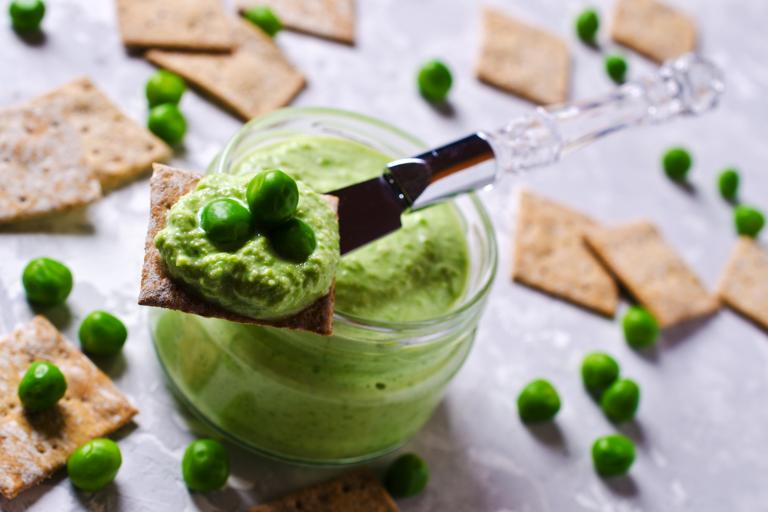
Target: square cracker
x=166 y=186
x=41 y=166
x=353 y=492
x=744 y=283
x=522 y=59
x=177 y=24
x=653 y=272
x=331 y=19
x=254 y=79
x=115 y=147
x=34 y=445
x=550 y=254
x=653 y=29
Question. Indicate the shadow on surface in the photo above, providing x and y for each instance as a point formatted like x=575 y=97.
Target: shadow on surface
x=74 y=222
x=635 y=431
x=114 y=366
x=444 y=108
x=60 y=316
x=549 y=434
x=32 y=38
x=672 y=336
x=622 y=485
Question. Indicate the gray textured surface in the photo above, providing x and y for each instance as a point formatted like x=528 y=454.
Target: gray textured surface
x=703 y=441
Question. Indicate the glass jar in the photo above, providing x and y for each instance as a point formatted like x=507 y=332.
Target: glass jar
x=341 y=399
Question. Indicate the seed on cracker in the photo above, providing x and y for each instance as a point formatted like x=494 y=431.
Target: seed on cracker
x=254 y=79
x=744 y=283
x=653 y=272
x=331 y=19
x=653 y=29
x=523 y=59
x=550 y=255
x=353 y=492
x=35 y=445
x=167 y=186
x=199 y=25
x=115 y=148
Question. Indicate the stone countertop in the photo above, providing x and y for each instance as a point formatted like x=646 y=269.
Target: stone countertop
x=701 y=429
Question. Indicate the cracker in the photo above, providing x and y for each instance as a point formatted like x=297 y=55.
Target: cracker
x=34 y=445
x=41 y=166
x=176 y=24
x=744 y=283
x=167 y=185
x=254 y=79
x=550 y=254
x=115 y=147
x=331 y=19
x=359 y=491
x=522 y=59
x=653 y=272
x=653 y=29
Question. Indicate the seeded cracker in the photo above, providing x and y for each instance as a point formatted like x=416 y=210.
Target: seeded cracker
x=522 y=59
x=254 y=79
x=359 y=491
x=41 y=166
x=653 y=272
x=653 y=29
x=178 y=24
x=744 y=283
x=159 y=290
x=331 y=19
x=551 y=255
x=34 y=445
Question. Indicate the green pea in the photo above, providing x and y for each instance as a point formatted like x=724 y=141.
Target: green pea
x=434 y=80
x=95 y=464
x=26 y=15
x=273 y=197
x=538 y=401
x=42 y=386
x=164 y=87
x=102 y=334
x=619 y=402
x=640 y=327
x=749 y=221
x=407 y=476
x=264 y=18
x=587 y=25
x=616 y=68
x=226 y=222
x=46 y=282
x=293 y=240
x=728 y=183
x=205 y=465
x=677 y=162
x=167 y=122
x=599 y=371
x=613 y=455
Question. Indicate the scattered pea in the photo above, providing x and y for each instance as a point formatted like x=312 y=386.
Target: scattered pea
x=95 y=464
x=749 y=221
x=434 y=80
x=599 y=371
x=164 y=87
x=26 y=15
x=616 y=68
x=538 y=401
x=587 y=25
x=728 y=183
x=42 y=386
x=46 y=282
x=264 y=18
x=293 y=240
x=226 y=222
x=273 y=197
x=407 y=476
x=677 y=162
x=205 y=465
x=640 y=327
x=167 y=122
x=102 y=334
x=620 y=401
x=613 y=455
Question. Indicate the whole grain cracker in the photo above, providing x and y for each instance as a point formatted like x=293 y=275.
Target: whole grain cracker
x=653 y=272
x=744 y=282
x=41 y=165
x=359 y=491
x=653 y=29
x=175 y=24
x=254 y=79
x=550 y=254
x=523 y=59
x=331 y=19
x=34 y=445
x=167 y=185
x=115 y=147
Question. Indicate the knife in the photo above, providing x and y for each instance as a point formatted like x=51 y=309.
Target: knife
x=686 y=86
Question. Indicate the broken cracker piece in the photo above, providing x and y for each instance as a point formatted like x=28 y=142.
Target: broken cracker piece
x=41 y=165
x=35 y=445
x=744 y=283
x=167 y=185
x=254 y=79
x=200 y=25
x=523 y=59
x=353 y=492
x=653 y=272
x=331 y=19
x=551 y=255
x=653 y=29
x=115 y=147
